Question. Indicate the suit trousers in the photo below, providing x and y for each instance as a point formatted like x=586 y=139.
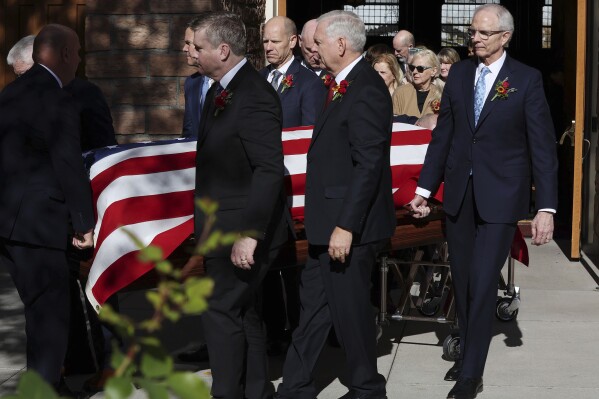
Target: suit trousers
x=334 y=294
x=234 y=329
x=41 y=276
x=477 y=251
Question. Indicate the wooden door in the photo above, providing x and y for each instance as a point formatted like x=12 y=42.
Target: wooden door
x=19 y=18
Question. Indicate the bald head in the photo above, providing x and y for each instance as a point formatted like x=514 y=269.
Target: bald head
x=307 y=44
x=57 y=47
x=402 y=42
x=280 y=37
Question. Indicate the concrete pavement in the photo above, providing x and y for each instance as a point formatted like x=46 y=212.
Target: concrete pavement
x=550 y=351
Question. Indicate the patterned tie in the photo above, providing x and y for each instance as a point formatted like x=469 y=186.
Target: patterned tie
x=275 y=79
x=479 y=94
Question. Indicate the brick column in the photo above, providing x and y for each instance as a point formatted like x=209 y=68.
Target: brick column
x=133 y=52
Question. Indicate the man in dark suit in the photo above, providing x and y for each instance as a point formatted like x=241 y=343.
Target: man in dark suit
x=44 y=193
x=348 y=212
x=301 y=91
x=196 y=86
x=239 y=163
x=494 y=132
x=306 y=42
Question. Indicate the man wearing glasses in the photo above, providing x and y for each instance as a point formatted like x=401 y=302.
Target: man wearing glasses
x=494 y=133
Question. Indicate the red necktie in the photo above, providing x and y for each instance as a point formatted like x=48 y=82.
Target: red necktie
x=330 y=94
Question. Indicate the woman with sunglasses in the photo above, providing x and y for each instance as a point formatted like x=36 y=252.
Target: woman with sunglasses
x=415 y=99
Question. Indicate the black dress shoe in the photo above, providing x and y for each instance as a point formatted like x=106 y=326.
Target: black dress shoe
x=199 y=354
x=466 y=388
x=454 y=372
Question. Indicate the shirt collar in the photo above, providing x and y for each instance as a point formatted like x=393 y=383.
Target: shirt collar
x=224 y=82
x=283 y=69
x=345 y=71
x=53 y=74
x=495 y=67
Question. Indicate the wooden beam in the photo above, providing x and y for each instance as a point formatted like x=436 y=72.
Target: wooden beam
x=282 y=7
x=581 y=40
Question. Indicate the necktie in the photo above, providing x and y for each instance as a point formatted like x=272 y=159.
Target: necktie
x=330 y=93
x=479 y=93
x=275 y=79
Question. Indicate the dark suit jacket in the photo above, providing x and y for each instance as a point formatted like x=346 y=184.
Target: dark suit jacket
x=193 y=90
x=96 y=122
x=43 y=185
x=303 y=101
x=239 y=161
x=514 y=140
x=348 y=182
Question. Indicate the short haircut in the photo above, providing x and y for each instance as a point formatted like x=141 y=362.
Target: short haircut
x=21 y=51
x=53 y=36
x=429 y=57
x=506 y=21
x=348 y=25
x=290 y=27
x=448 y=55
x=223 y=27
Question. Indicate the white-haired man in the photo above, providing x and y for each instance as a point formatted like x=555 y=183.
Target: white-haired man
x=348 y=211
x=20 y=55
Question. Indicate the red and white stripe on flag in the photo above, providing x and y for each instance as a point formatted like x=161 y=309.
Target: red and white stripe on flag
x=148 y=190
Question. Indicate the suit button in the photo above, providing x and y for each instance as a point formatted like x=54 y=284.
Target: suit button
x=474 y=141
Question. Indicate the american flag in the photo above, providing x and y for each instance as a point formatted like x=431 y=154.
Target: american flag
x=147 y=188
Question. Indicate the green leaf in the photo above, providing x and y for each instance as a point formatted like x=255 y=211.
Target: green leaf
x=123 y=324
x=33 y=386
x=164 y=267
x=187 y=385
x=154 y=298
x=195 y=305
x=198 y=287
x=211 y=243
x=133 y=238
x=154 y=390
x=207 y=206
x=155 y=362
x=151 y=254
x=170 y=314
x=150 y=325
x=118 y=388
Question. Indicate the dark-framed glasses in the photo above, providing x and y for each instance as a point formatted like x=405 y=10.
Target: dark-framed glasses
x=483 y=34
x=419 y=68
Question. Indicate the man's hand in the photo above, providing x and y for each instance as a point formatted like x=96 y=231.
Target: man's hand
x=83 y=240
x=428 y=121
x=542 y=228
x=242 y=254
x=419 y=206
x=340 y=244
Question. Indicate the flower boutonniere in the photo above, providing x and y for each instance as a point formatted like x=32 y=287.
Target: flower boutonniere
x=436 y=105
x=340 y=89
x=502 y=89
x=221 y=100
x=287 y=82
x=327 y=80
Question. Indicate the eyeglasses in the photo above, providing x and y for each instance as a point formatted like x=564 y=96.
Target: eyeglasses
x=483 y=34
x=419 y=68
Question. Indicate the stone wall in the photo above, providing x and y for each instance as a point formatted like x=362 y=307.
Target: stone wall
x=133 y=52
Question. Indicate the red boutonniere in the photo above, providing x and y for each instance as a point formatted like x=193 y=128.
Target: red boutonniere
x=287 y=82
x=222 y=100
x=327 y=80
x=436 y=105
x=340 y=89
x=502 y=89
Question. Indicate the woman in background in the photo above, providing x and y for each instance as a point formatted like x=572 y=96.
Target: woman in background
x=388 y=67
x=447 y=56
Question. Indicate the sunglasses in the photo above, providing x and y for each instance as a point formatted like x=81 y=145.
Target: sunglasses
x=419 y=68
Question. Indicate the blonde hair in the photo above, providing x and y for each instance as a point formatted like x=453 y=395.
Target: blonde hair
x=430 y=58
x=393 y=65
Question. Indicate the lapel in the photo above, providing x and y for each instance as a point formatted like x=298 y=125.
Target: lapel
x=326 y=112
x=208 y=117
x=293 y=69
x=489 y=105
x=468 y=89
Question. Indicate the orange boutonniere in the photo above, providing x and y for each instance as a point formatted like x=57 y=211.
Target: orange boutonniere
x=502 y=89
x=436 y=105
x=340 y=89
x=221 y=100
x=287 y=82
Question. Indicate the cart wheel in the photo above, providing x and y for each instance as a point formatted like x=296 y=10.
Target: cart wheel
x=451 y=347
x=430 y=306
x=503 y=312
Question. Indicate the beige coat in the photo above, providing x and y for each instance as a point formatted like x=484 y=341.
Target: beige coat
x=406 y=102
